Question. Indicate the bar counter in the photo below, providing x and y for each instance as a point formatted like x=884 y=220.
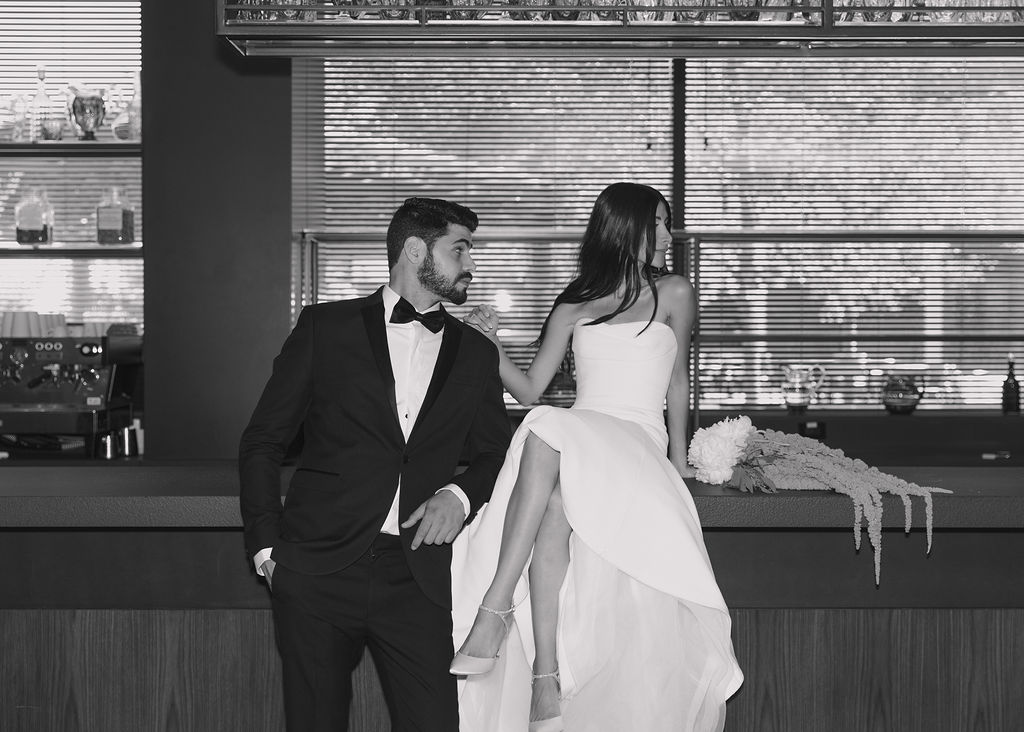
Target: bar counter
x=128 y=603
x=186 y=494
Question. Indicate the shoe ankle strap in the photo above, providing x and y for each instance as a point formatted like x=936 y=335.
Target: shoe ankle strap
x=499 y=613
x=503 y=614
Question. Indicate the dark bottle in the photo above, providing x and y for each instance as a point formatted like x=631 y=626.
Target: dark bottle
x=115 y=219
x=1011 y=390
x=33 y=218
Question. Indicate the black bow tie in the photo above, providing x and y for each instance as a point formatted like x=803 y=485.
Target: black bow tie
x=404 y=312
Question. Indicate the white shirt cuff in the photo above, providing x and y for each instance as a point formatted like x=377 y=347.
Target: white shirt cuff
x=460 y=494
x=261 y=556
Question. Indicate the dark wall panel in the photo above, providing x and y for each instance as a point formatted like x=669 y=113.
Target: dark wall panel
x=158 y=671
x=913 y=670
x=217 y=189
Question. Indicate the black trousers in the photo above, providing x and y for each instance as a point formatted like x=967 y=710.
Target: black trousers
x=324 y=623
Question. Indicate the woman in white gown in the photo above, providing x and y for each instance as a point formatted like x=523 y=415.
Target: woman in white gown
x=583 y=595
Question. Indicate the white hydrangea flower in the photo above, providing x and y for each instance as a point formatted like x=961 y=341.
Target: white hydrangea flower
x=716 y=450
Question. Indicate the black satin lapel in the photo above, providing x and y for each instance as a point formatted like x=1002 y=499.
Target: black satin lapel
x=445 y=360
x=373 y=319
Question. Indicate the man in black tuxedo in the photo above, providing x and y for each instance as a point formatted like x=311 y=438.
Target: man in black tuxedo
x=391 y=393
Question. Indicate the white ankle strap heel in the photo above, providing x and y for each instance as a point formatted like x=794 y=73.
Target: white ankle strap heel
x=552 y=724
x=465 y=665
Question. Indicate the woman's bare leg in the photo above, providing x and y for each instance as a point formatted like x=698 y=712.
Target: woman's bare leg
x=547 y=572
x=538 y=474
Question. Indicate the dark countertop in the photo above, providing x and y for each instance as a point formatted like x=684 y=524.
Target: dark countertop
x=204 y=494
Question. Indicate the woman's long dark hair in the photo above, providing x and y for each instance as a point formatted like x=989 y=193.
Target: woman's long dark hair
x=621 y=233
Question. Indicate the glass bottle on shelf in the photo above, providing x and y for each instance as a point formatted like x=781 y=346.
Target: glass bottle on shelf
x=45 y=114
x=115 y=219
x=33 y=218
x=19 y=111
x=128 y=124
x=1011 y=389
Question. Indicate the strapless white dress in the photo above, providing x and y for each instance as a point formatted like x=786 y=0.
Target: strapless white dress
x=643 y=631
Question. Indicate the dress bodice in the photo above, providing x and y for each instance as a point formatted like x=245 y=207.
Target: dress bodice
x=624 y=370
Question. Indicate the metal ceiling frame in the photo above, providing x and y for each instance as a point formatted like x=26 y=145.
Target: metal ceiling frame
x=441 y=28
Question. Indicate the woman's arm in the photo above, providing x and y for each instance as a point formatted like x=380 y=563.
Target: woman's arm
x=526 y=387
x=676 y=294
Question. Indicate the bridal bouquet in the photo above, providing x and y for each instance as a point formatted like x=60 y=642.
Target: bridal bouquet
x=734 y=453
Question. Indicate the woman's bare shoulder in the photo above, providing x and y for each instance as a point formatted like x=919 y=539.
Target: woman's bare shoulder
x=674 y=285
x=566 y=314
x=676 y=292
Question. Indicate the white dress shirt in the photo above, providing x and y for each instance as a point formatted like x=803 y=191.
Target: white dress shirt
x=413 y=350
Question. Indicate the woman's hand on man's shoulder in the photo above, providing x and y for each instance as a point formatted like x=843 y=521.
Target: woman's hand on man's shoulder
x=485 y=319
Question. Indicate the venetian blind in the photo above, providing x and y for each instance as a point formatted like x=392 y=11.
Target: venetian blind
x=91 y=45
x=527 y=143
x=864 y=215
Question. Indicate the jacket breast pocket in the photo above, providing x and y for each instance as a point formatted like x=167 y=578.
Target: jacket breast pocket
x=317 y=470
x=460 y=392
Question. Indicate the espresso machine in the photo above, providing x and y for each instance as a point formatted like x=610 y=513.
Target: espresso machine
x=69 y=397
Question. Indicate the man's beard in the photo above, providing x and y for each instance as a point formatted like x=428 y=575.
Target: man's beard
x=445 y=288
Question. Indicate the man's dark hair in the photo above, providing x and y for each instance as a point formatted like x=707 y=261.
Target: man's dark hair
x=427 y=218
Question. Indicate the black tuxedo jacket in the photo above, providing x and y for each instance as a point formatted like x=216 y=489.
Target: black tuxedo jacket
x=333 y=380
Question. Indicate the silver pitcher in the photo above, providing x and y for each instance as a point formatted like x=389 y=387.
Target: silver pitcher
x=800 y=383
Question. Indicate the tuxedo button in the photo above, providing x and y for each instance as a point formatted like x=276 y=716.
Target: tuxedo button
x=405 y=459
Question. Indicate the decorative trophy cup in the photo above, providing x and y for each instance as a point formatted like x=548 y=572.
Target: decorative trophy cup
x=87 y=110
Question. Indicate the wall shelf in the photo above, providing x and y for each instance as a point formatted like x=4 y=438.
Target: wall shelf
x=72 y=148
x=11 y=250
x=80 y=246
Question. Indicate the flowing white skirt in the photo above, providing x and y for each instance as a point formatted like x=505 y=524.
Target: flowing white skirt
x=643 y=632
